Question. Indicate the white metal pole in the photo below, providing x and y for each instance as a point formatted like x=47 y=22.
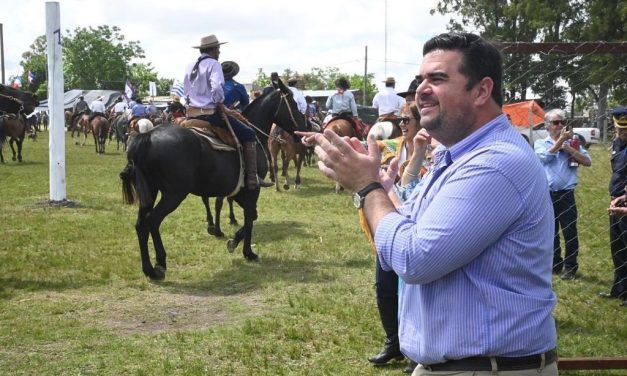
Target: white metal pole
x=55 y=103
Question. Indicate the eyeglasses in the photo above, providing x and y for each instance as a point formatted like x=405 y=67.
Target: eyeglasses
x=557 y=122
x=405 y=119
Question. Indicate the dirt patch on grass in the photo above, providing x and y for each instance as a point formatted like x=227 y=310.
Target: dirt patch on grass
x=159 y=311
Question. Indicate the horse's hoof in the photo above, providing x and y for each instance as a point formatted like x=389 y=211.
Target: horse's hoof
x=231 y=245
x=252 y=257
x=159 y=273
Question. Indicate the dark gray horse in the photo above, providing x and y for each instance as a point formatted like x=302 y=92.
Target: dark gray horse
x=173 y=162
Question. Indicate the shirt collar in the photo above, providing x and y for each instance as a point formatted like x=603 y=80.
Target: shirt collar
x=470 y=142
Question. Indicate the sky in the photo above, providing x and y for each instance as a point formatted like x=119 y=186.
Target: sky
x=271 y=35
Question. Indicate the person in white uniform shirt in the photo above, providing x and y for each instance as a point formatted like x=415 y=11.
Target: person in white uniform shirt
x=97 y=108
x=298 y=95
x=386 y=101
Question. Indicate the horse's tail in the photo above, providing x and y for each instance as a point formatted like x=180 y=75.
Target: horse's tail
x=128 y=183
x=134 y=182
x=103 y=130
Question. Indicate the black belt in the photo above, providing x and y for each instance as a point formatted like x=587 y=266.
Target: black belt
x=481 y=363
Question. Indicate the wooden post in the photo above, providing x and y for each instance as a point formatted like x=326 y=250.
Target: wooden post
x=55 y=103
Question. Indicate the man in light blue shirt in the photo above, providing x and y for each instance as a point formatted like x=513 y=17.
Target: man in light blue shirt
x=561 y=155
x=474 y=244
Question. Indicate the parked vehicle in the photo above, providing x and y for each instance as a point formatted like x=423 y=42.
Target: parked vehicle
x=587 y=136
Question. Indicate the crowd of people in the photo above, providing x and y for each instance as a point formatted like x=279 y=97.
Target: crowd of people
x=454 y=297
x=454 y=294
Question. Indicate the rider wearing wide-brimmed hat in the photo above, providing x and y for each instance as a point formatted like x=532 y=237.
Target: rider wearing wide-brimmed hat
x=204 y=91
x=386 y=100
x=235 y=94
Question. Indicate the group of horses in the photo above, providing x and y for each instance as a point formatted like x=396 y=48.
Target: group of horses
x=15 y=105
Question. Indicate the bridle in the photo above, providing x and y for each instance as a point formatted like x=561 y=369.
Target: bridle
x=14 y=100
x=282 y=99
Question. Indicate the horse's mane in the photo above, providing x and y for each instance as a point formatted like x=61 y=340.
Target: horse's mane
x=258 y=101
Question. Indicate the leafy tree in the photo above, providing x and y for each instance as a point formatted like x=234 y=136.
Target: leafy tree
x=321 y=79
x=98 y=58
x=35 y=62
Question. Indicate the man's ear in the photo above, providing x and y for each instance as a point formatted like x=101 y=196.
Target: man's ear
x=483 y=91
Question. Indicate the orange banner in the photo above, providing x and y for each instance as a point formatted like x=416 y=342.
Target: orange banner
x=524 y=114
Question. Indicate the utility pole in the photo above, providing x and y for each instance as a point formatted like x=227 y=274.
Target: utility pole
x=2 y=53
x=363 y=97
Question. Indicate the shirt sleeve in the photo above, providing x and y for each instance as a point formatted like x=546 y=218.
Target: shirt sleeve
x=329 y=103
x=353 y=105
x=216 y=81
x=541 y=148
x=448 y=235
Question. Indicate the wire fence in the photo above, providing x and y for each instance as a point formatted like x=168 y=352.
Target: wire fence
x=586 y=82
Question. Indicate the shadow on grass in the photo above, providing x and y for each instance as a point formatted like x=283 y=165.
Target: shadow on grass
x=9 y=284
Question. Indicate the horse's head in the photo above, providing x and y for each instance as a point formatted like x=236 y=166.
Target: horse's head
x=28 y=99
x=278 y=107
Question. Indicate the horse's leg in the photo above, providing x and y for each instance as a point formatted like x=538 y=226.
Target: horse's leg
x=20 y=142
x=299 y=163
x=11 y=142
x=166 y=205
x=210 y=224
x=218 y=228
x=287 y=156
x=274 y=168
x=248 y=201
x=232 y=220
x=143 y=231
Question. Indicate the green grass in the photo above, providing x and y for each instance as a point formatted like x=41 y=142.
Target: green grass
x=73 y=300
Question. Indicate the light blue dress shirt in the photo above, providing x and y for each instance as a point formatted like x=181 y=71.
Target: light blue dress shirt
x=340 y=102
x=207 y=89
x=474 y=248
x=559 y=173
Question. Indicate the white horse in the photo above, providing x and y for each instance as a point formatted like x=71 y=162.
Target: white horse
x=384 y=130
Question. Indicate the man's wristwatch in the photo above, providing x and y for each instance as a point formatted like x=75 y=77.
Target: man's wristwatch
x=360 y=196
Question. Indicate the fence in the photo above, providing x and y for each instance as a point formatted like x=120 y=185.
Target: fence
x=586 y=82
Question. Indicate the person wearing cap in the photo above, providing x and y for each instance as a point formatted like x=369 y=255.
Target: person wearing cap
x=386 y=101
x=618 y=208
x=80 y=107
x=301 y=102
x=204 y=90
x=410 y=94
x=97 y=108
x=235 y=94
x=560 y=157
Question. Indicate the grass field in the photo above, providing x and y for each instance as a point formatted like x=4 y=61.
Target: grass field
x=73 y=300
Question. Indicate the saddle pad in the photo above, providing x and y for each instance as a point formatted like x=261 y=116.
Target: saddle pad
x=214 y=142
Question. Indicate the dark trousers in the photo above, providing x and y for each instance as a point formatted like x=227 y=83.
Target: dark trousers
x=242 y=131
x=565 y=211
x=386 y=286
x=618 y=246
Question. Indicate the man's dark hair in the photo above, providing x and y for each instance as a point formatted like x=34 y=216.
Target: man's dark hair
x=479 y=59
x=342 y=83
x=208 y=50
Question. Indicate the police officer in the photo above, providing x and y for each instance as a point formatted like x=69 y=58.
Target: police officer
x=617 y=209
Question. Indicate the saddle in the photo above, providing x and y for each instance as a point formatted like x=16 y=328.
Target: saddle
x=215 y=135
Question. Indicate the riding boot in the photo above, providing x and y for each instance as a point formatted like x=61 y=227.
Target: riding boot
x=388 y=310
x=253 y=181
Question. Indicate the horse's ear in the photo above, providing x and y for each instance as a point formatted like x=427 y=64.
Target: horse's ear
x=274 y=79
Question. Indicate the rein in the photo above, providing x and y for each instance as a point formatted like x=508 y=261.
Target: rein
x=14 y=100
x=277 y=139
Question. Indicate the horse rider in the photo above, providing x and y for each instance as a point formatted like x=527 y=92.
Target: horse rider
x=342 y=103
x=138 y=111
x=299 y=98
x=97 y=108
x=175 y=110
x=118 y=108
x=235 y=94
x=80 y=107
x=204 y=88
x=387 y=102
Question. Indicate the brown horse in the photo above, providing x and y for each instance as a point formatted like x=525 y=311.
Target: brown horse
x=80 y=125
x=14 y=127
x=100 y=129
x=345 y=128
x=282 y=141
